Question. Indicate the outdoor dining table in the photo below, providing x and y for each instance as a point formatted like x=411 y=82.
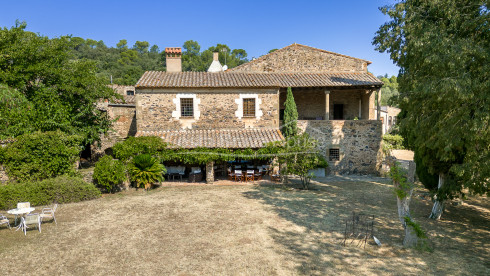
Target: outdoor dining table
x=20 y=212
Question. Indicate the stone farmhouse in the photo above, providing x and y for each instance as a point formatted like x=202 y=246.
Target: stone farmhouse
x=388 y=116
x=243 y=107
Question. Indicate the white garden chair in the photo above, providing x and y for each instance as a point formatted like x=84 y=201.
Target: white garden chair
x=22 y=205
x=4 y=220
x=49 y=213
x=30 y=220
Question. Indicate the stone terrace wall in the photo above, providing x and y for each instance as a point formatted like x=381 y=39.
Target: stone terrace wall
x=123 y=127
x=298 y=58
x=359 y=143
x=217 y=110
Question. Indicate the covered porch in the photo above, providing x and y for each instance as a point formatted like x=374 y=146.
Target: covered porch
x=333 y=103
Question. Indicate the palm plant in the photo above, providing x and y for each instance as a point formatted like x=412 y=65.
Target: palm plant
x=146 y=170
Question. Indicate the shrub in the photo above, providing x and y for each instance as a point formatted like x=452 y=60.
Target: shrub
x=146 y=170
x=133 y=146
x=109 y=173
x=393 y=141
x=62 y=189
x=41 y=155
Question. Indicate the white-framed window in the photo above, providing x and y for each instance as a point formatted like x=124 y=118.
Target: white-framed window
x=248 y=106
x=186 y=106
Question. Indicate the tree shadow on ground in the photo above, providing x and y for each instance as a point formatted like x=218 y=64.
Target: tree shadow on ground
x=316 y=224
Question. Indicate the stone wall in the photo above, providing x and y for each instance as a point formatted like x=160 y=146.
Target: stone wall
x=123 y=127
x=311 y=103
x=359 y=143
x=156 y=110
x=3 y=175
x=300 y=58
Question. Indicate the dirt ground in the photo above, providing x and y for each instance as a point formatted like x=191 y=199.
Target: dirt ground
x=249 y=230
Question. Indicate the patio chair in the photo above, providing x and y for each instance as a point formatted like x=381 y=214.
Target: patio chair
x=4 y=220
x=30 y=220
x=276 y=177
x=238 y=175
x=250 y=175
x=22 y=205
x=258 y=175
x=49 y=213
x=195 y=175
x=231 y=175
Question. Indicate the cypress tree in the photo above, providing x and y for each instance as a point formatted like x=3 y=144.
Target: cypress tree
x=289 y=127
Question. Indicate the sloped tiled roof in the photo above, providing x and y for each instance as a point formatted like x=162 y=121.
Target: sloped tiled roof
x=238 y=68
x=158 y=79
x=217 y=138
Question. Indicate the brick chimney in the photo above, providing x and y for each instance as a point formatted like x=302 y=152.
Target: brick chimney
x=173 y=57
x=215 y=56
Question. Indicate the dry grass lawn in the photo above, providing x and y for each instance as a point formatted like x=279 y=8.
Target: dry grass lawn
x=248 y=230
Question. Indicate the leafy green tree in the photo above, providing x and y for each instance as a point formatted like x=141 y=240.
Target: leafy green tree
x=154 y=49
x=289 y=125
x=58 y=92
x=389 y=91
x=141 y=46
x=194 y=60
x=122 y=44
x=300 y=155
x=146 y=170
x=15 y=113
x=442 y=49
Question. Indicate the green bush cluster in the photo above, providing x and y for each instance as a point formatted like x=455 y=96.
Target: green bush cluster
x=109 y=173
x=393 y=141
x=134 y=146
x=41 y=155
x=62 y=189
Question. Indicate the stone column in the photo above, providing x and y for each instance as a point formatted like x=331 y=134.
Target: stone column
x=378 y=105
x=210 y=172
x=360 y=109
x=327 y=105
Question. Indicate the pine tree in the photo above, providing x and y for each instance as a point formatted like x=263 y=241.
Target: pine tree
x=289 y=127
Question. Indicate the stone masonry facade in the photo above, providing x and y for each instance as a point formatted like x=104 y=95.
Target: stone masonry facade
x=359 y=144
x=123 y=127
x=217 y=110
x=300 y=58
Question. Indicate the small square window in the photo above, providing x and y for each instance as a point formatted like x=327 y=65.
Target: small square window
x=186 y=107
x=249 y=107
x=129 y=92
x=334 y=154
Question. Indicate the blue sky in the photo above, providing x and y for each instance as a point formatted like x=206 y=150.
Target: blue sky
x=345 y=27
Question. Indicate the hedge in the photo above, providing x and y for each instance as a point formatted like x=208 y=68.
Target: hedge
x=62 y=189
x=41 y=155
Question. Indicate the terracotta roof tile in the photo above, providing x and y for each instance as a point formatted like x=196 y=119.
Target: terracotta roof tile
x=217 y=138
x=158 y=79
